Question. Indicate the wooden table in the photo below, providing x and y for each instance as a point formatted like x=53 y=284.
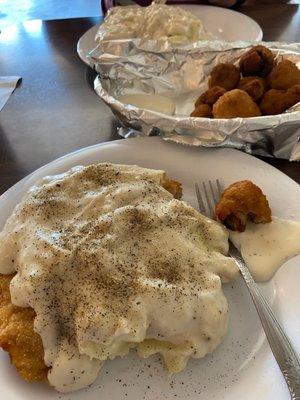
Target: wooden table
x=55 y=111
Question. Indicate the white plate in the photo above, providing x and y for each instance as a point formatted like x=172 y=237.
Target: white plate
x=242 y=367
x=223 y=23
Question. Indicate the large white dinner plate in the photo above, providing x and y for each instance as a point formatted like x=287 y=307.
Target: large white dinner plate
x=223 y=23
x=242 y=367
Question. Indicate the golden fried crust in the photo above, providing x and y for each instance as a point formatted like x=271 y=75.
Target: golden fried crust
x=174 y=187
x=18 y=338
x=235 y=103
x=225 y=75
x=294 y=95
x=202 y=110
x=257 y=61
x=284 y=75
x=274 y=102
x=295 y=91
x=254 y=86
x=277 y=101
x=210 y=96
x=241 y=201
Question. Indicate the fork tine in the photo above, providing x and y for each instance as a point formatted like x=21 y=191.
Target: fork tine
x=208 y=196
x=214 y=195
x=219 y=189
x=210 y=207
x=199 y=198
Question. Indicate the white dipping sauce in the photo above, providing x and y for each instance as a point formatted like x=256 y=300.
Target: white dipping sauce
x=154 y=102
x=265 y=247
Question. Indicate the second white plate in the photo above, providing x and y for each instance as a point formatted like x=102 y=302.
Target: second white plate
x=223 y=23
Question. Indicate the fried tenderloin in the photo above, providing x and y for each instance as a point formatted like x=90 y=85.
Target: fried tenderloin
x=17 y=336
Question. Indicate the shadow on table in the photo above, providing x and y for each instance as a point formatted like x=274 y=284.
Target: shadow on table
x=90 y=75
x=280 y=23
x=11 y=171
x=64 y=34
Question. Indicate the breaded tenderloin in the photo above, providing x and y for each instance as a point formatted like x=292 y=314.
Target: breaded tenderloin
x=18 y=338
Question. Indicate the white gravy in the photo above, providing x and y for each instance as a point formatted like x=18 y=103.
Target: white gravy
x=109 y=260
x=265 y=247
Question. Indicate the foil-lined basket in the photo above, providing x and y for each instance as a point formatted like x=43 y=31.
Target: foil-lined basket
x=181 y=74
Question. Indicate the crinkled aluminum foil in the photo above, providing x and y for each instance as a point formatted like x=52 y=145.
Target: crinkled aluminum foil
x=129 y=66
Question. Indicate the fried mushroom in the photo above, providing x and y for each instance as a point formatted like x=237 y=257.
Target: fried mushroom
x=284 y=75
x=258 y=61
x=225 y=75
x=210 y=96
x=294 y=93
x=235 y=103
x=240 y=202
x=202 y=111
x=277 y=101
x=254 y=86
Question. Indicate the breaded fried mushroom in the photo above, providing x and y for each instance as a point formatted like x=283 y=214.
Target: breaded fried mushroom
x=202 y=111
x=294 y=93
x=258 y=61
x=284 y=75
x=235 y=103
x=210 y=96
x=254 y=86
x=242 y=201
x=274 y=102
x=225 y=75
x=18 y=338
x=277 y=101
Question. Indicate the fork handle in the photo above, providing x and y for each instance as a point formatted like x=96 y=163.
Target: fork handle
x=281 y=347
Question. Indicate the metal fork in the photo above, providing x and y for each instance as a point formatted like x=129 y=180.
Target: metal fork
x=281 y=347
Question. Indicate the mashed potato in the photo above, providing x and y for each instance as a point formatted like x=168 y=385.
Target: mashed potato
x=155 y=22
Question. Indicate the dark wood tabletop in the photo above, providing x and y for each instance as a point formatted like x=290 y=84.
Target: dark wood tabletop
x=54 y=110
